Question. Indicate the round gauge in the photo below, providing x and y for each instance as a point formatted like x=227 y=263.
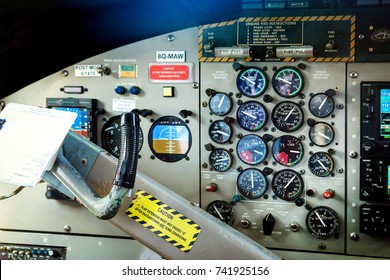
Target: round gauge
x=251 y=183
x=287 y=184
x=170 y=139
x=322 y=222
x=287 y=116
x=221 y=210
x=220 y=160
x=287 y=150
x=321 y=134
x=220 y=132
x=321 y=105
x=252 y=149
x=220 y=104
x=111 y=136
x=252 y=81
x=380 y=35
x=252 y=115
x=321 y=164
x=287 y=82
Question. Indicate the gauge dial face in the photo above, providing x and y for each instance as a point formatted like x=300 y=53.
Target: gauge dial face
x=252 y=149
x=252 y=82
x=287 y=184
x=287 y=150
x=252 y=115
x=322 y=222
x=220 y=104
x=321 y=134
x=220 y=132
x=287 y=82
x=287 y=116
x=321 y=164
x=170 y=139
x=251 y=183
x=111 y=136
x=321 y=105
x=222 y=210
x=220 y=160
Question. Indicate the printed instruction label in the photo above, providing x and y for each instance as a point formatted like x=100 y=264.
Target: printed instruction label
x=164 y=221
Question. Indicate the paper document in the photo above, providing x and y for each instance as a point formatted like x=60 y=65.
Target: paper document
x=30 y=138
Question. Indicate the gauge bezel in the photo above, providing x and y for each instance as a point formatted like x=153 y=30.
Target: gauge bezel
x=240 y=186
x=212 y=165
x=300 y=113
x=239 y=81
x=296 y=72
x=295 y=139
x=232 y=213
x=275 y=188
x=222 y=112
x=225 y=140
x=323 y=154
x=175 y=123
x=115 y=137
x=312 y=133
x=240 y=117
x=251 y=137
x=320 y=113
x=319 y=233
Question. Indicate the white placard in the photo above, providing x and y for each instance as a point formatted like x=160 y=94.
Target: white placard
x=170 y=56
x=123 y=105
x=87 y=70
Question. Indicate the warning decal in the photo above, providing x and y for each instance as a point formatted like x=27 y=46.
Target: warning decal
x=164 y=221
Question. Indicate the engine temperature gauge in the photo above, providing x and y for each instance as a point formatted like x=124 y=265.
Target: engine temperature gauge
x=287 y=150
x=252 y=149
x=287 y=82
x=222 y=210
x=252 y=81
x=287 y=116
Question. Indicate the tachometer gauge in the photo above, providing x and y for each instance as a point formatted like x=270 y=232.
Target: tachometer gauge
x=222 y=210
x=111 y=136
x=220 y=104
x=251 y=183
x=220 y=132
x=220 y=160
x=322 y=222
x=321 y=134
x=321 y=164
x=321 y=105
x=287 y=150
x=252 y=81
x=287 y=116
x=287 y=81
x=252 y=115
x=287 y=184
x=252 y=149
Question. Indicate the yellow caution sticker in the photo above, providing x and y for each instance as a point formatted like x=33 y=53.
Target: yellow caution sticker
x=164 y=221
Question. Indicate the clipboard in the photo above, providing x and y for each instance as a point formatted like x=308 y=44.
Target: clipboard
x=30 y=138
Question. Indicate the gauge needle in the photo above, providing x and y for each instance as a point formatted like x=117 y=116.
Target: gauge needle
x=323 y=166
x=319 y=217
x=258 y=152
x=289 y=182
x=283 y=80
x=252 y=82
x=221 y=101
x=221 y=132
x=323 y=135
x=294 y=152
x=322 y=103
x=109 y=128
x=249 y=115
x=289 y=114
x=222 y=159
x=219 y=214
x=252 y=181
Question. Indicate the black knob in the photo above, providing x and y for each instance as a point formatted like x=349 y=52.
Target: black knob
x=268 y=224
x=368 y=147
x=185 y=113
